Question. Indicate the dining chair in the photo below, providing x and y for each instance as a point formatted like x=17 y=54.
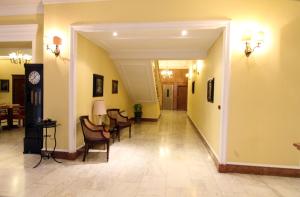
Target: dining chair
x=3 y=115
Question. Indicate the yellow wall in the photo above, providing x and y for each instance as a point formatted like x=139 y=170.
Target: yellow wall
x=205 y=115
x=264 y=92
x=29 y=19
x=91 y=59
x=7 y=69
x=151 y=110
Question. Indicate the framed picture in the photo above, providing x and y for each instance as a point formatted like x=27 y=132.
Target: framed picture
x=115 y=86
x=98 y=81
x=210 y=90
x=193 y=87
x=4 y=85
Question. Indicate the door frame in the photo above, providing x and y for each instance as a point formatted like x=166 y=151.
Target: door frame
x=202 y=24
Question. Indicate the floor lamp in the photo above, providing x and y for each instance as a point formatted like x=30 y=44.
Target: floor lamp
x=99 y=110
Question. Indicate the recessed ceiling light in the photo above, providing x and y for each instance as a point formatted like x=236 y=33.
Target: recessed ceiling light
x=184 y=32
x=115 y=34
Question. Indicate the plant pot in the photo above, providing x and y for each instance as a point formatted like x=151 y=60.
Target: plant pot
x=138 y=116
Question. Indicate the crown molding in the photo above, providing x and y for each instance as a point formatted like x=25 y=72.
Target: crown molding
x=21 y=9
x=47 y=2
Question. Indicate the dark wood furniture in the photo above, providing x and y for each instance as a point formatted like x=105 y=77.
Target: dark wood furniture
x=3 y=115
x=18 y=114
x=118 y=121
x=33 y=140
x=93 y=134
x=9 y=113
x=46 y=154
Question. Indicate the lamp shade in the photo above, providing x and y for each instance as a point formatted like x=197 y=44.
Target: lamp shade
x=56 y=40
x=99 y=108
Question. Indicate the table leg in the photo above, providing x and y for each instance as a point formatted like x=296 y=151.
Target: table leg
x=52 y=154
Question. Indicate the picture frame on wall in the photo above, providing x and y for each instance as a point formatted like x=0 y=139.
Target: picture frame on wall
x=115 y=86
x=210 y=90
x=98 y=82
x=193 y=87
x=4 y=85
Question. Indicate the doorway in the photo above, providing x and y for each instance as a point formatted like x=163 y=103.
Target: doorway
x=167 y=97
x=182 y=97
x=18 y=89
x=171 y=53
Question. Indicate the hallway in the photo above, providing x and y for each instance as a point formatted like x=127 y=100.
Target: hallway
x=162 y=159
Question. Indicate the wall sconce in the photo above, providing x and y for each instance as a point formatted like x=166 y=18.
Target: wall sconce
x=54 y=47
x=252 y=42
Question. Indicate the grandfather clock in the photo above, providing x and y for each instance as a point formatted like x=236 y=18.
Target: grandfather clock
x=33 y=140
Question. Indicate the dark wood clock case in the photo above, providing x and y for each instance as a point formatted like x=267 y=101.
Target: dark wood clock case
x=33 y=140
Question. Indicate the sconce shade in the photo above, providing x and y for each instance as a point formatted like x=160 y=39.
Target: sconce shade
x=260 y=36
x=56 y=40
x=99 y=108
x=247 y=36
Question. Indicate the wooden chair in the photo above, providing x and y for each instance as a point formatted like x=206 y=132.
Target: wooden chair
x=118 y=121
x=3 y=115
x=18 y=114
x=93 y=134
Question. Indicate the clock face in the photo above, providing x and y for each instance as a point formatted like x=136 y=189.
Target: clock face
x=34 y=77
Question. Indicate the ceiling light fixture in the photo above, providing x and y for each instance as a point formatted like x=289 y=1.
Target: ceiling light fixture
x=166 y=73
x=184 y=32
x=115 y=34
x=19 y=58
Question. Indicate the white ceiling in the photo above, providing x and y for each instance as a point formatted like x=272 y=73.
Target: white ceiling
x=146 y=43
x=137 y=45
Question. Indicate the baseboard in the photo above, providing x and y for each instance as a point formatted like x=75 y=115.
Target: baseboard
x=258 y=170
x=147 y=119
x=247 y=169
x=150 y=119
x=61 y=154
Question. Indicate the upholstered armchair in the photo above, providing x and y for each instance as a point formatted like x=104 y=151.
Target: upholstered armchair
x=118 y=121
x=93 y=134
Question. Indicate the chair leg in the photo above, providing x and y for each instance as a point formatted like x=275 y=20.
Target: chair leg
x=107 y=150
x=118 y=133
x=86 y=149
x=130 y=132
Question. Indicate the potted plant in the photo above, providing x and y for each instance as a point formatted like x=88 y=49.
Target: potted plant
x=137 y=112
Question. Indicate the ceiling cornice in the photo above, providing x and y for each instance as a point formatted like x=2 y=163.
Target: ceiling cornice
x=45 y=2
x=21 y=9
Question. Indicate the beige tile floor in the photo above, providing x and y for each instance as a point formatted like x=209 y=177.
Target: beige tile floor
x=162 y=159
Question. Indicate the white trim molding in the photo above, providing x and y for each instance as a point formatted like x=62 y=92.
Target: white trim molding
x=72 y=93
x=226 y=70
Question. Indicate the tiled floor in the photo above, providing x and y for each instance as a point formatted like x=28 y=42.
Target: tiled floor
x=162 y=159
